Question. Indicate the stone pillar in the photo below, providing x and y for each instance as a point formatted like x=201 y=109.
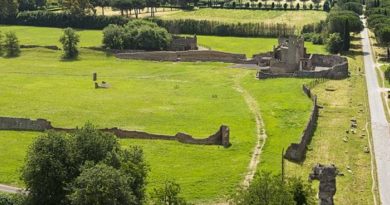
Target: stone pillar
x=326 y=174
x=94 y=76
x=225 y=135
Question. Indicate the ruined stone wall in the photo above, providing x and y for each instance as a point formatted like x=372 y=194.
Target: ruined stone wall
x=180 y=43
x=296 y=151
x=221 y=137
x=188 y=56
x=24 y=124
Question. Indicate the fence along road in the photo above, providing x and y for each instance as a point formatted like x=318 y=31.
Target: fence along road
x=379 y=125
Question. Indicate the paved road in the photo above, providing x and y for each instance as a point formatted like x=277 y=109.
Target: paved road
x=10 y=189
x=380 y=126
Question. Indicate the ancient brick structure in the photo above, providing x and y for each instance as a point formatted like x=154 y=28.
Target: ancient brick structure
x=183 y=43
x=187 y=56
x=289 y=59
x=327 y=177
x=221 y=137
x=296 y=151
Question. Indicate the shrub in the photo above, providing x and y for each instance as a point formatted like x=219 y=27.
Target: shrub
x=69 y=42
x=11 y=45
x=168 y=195
x=137 y=34
x=12 y=199
x=334 y=43
x=387 y=73
x=113 y=36
x=317 y=39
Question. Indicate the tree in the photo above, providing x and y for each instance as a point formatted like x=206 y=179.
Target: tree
x=77 y=7
x=101 y=184
x=169 y=194
x=326 y=6
x=317 y=3
x=302 y=192
x=11 y=45
x=8 y=8
x=334 y=43
x=47 y=169
x=346 y=37
x=69 y=42
x=336 y=21
x=264 y=190
x=100 y=3
x=123 y=5
x=1 y=44
x=84 y=167
x=138 y=5
x=27 y=5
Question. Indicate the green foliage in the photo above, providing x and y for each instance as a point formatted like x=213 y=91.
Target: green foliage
x=11 y=45
x=346 y=37
x=27 y=5
x=69 y=42
x=169 y=194
x=63 y=20
x=101 y=184
x=387 y=73
x=8 y=8
x=265 y=189
x=337 y=18
x=86 y=167
x=137 y=34
x=356 y=7
x=48 y=169
x=334 y=43
x=268 y=189
x=12 y=199
x=77 y=7
x=1 y=44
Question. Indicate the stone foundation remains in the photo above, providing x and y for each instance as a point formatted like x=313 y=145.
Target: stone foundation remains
x=327 y=177
x=296 y=151
x=185 y=43
x=187 y=56
x=221 y=137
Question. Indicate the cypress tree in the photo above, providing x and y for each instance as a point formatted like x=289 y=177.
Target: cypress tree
x=346 y=37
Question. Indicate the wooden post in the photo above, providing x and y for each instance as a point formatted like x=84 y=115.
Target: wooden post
x=283 y=165
x=94 y=76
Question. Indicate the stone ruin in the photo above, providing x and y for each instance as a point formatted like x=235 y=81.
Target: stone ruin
x=183 y=43
x=290 y=59
x=327 y=177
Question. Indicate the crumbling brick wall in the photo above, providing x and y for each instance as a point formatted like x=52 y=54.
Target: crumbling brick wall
x=221 y=137
x=187 y=56
x=296 y=151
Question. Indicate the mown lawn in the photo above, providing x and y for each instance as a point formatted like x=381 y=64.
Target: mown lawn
x=292 y=18
x=157 y=97
x=150 y=96
x=29 y=35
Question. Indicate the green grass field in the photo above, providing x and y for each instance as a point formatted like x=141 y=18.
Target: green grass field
x=296 y=18
x=157 y=97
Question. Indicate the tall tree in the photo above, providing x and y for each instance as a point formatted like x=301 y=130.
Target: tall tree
x=346 y=37
x=100 y=3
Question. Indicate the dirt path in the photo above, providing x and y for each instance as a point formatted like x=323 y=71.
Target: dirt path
x=260 y=132
x=10 y=189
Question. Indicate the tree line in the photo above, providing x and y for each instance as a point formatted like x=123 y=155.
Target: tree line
x=378 y=13
x=336 y=30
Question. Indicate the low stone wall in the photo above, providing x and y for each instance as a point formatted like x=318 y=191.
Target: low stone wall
x=296 y=151
x=221 y=137
x=187 y=56
x=24 y=124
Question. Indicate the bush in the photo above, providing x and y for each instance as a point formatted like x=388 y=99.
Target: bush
x=12 y=199
x=334 y=43
x=69 y=42
x=387 y=73
x=168 y=195
x=317 y=39
x=137 y=34
x=11 y=45
x=1 y=44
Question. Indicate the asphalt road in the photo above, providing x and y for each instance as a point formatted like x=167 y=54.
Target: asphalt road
x=379 y=125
